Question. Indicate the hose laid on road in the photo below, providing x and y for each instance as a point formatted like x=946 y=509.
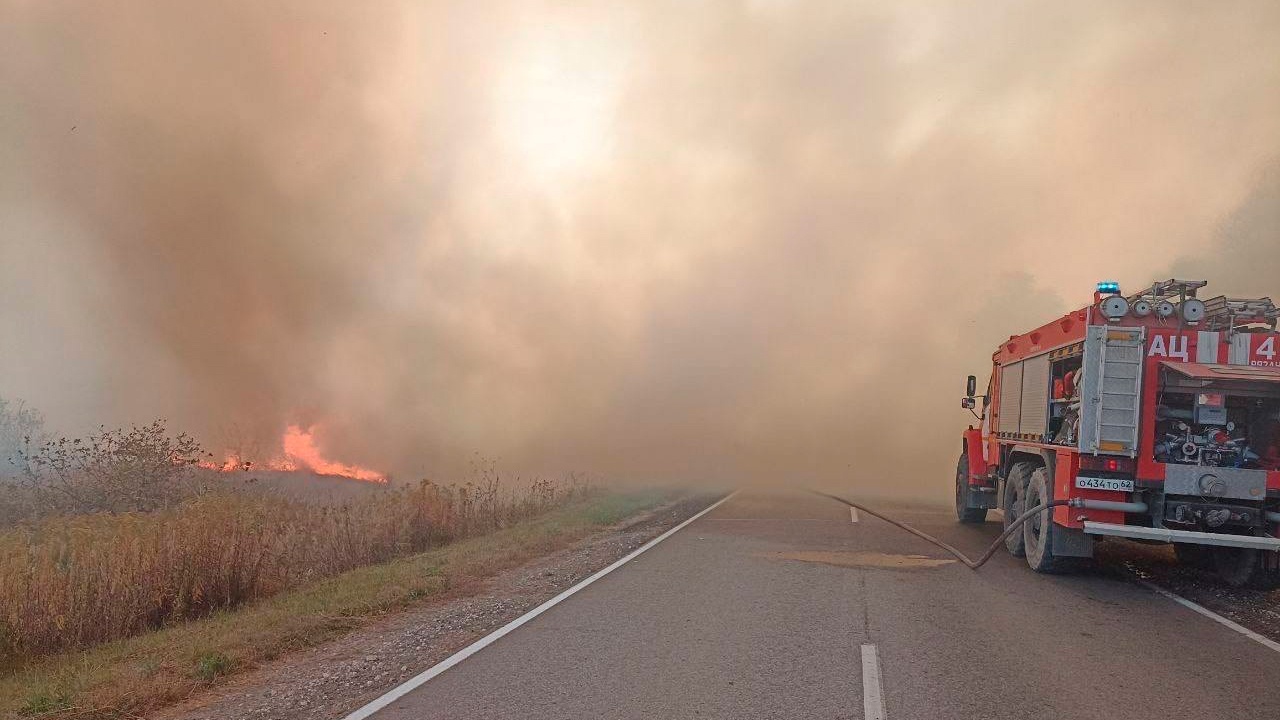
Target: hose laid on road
x=972 y=564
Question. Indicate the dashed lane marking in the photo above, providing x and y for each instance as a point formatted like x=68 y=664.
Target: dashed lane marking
x=872 y=696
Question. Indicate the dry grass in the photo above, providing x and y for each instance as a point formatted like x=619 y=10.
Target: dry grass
x=73 y=582
x=133 y=676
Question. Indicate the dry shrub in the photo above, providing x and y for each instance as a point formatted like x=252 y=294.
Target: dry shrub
x=69 y=582
x=117 y=470
x=20 y=427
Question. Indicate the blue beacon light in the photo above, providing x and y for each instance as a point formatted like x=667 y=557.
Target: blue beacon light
x=1109 y=287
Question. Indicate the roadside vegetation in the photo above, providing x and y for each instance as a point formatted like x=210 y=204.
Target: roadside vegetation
x=130 y=677
x=71 y=582
x=129 y=577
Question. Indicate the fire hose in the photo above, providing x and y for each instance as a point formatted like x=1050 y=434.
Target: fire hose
x=1013 y=526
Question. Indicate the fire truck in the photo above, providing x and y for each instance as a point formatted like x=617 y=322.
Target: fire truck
x=1156 y=415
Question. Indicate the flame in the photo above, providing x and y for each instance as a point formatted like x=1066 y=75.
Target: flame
x=230 y=464
x=299 y=453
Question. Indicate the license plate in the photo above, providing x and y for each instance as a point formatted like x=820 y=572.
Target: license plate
x=1093 y=483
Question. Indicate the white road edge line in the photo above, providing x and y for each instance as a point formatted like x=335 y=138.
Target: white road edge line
x=872 y=697
x=1264 y=641
x=417 y=680
x=853 y=514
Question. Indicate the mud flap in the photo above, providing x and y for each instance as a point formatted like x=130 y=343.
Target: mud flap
x=982 y=497
x=1070 y=542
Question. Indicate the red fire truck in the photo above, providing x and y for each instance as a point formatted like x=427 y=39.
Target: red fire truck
x=1159 y=411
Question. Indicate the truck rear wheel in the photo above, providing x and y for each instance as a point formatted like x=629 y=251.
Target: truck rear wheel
x=1038 y=532
x=1247 y=567
x=964 y=513
x=1015 y=490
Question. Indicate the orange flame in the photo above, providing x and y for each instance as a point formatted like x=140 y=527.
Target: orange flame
x=230 y=464
x=300 y=453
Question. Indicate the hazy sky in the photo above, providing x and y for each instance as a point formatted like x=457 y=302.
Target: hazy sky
x=695 y=240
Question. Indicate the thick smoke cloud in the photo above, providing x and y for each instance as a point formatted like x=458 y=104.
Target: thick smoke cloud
x=703 y=241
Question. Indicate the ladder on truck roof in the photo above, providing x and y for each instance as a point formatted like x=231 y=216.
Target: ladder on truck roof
x=1228 y=313
x=1221 y=313
x=1170 y=290
x=1112 y=389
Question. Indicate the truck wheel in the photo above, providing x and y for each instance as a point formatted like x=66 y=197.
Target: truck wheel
x=1247 y=568
x=1015 y=491
x=1038 y=532
x=964 y=513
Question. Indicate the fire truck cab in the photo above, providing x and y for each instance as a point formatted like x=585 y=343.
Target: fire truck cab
x=1164 y=406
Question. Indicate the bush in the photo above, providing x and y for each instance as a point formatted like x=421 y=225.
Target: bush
x=20 y=427
x=135 y=470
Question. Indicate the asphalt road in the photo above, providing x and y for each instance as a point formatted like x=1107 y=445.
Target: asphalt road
x=763 y=608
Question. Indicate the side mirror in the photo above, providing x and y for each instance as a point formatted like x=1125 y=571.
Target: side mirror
x=968 y=403
x=971 y=387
